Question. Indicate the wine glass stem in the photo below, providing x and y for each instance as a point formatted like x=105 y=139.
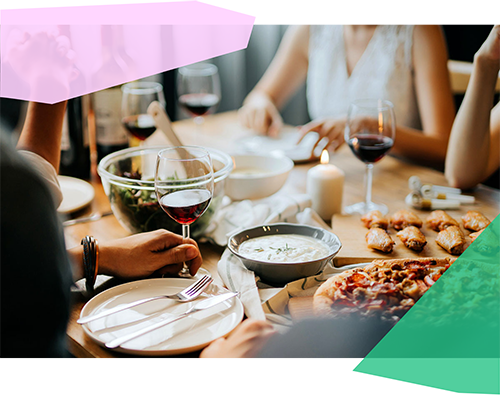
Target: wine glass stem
x=185 y=235
x=185 y=231
x=368 y=188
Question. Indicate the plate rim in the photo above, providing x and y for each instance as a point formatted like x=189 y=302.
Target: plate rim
x=169 y=352
x=81 y=182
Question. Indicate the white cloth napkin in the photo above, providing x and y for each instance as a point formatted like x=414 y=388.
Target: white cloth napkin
x=244 y=214
x=260 y=300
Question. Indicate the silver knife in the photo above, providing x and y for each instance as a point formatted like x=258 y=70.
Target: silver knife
x=204 y=304
x=90 y=218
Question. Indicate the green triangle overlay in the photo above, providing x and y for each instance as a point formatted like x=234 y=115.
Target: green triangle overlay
x=450 y=339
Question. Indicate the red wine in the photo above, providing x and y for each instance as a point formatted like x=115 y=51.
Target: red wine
x=141 y=126
x=185 y=206
x=199 y=104
x=370 y=148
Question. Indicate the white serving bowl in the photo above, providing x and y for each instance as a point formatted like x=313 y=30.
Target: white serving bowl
x=255 y=177
x=276 y=273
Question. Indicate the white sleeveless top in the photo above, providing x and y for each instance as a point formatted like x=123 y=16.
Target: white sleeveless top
x=384 y=71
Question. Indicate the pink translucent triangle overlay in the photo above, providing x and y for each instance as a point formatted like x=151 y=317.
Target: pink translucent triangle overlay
x=79 y=50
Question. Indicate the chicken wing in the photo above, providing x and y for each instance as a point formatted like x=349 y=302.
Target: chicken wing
x=439 y=220
x=412 y=238
x=452 y=240
x=378 y=239
x=375 y=219
x=475 y=235
x=404 y=218
x=475 y=221
x=488 y=245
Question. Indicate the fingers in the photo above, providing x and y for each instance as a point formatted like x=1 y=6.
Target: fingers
x=171 y=269
x=171 y=261
x=261 y=120
x=179 y=254
x=314 y=125
x=162 y=240
x=243 y=117
x=195 y=264
x=276 y=124
x=170 y=251
x=254 y=326
x=331 y=129
x=261 y=115
x=246 y=340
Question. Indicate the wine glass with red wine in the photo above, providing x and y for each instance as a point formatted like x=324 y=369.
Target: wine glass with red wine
x=198 y=87
x=136 y=98
x=184 y=184
x=370 y=131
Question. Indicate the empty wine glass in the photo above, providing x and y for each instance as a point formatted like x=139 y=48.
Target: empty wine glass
x=198 y=87
x=184 y=184
x=136 y=98
x=370 y=132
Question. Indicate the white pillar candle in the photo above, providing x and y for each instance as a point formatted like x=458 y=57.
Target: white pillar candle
x=325 y=186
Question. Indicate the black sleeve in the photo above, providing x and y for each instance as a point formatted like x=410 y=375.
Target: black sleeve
x=35 y=273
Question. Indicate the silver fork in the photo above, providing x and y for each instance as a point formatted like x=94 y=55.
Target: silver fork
x=186 y=295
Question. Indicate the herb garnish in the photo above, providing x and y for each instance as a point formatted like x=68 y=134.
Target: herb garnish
x=283 y=249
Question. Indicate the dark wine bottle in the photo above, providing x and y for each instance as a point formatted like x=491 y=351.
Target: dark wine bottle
x=111 y=136
x=75 y=148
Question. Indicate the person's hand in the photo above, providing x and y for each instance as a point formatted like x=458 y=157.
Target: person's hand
x=44 y=60
x=490 y=50
x=332 y=129
x=143 y=254
x=246 y=341
x=260 y=114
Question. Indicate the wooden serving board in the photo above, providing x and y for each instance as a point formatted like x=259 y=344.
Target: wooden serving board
x=351 y=233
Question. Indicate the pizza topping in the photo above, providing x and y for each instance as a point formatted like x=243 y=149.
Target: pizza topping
x=429 y=281
x=388 y=289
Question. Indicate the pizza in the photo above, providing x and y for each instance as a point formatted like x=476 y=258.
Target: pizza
x=384 y=288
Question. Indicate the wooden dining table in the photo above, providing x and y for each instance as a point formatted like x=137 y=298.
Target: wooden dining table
x=223 y=131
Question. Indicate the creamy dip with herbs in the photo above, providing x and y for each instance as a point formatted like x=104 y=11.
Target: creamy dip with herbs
x=284 y=248
x=242 y=172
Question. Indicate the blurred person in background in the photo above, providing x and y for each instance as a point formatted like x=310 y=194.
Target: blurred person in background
x=406 y=65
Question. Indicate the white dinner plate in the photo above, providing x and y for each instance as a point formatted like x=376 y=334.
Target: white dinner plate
x=184 y=336
x=285 y=143
x=76 y=194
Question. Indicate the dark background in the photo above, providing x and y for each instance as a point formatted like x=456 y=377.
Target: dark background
x=463 y=41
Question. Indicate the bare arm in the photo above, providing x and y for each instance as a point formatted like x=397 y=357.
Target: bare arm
x=45 y=62
x=473 y=150
x=434 y=98
x=42 y=131
x=435 y=102
x=285 y=74
x=288 y=69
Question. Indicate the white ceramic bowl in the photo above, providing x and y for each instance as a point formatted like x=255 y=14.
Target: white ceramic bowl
x=255 y=177
x=279 y=274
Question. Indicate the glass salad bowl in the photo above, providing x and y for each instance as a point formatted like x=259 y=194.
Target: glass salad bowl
x=128 y=180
